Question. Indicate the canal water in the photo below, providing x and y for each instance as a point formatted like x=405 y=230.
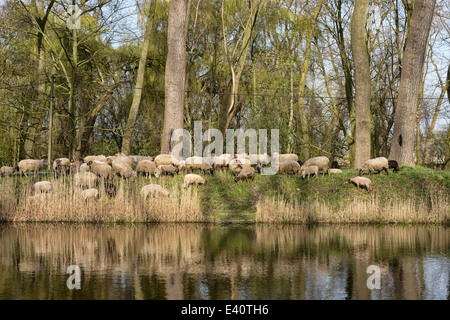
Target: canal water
x=196 y=261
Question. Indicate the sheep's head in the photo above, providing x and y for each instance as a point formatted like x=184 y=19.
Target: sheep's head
x=361 y=172
x=236 y=179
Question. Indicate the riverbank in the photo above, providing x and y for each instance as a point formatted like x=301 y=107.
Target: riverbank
x=406 y=197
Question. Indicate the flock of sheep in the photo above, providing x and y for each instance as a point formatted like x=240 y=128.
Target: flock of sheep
x=86 y=173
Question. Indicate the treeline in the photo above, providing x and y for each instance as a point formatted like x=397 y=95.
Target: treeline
x=261 y=64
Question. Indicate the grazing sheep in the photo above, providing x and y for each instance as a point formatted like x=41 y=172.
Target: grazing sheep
x=335 y=171
x=147 y=168
x=198 y=163
x=42 y=187
x=182 y=166
x=110 y=189
x=263 y=159
x=309 y=170
x=321 y=162
x=191 y=179
x=377 y=164
x=101 y=158
x=61 y=161
x=130 y=160
x=90 y=195
x=153 y=190
x=393 y=165
x=167 y=170
x=165 y=159
x=245 y=174
x=287 y=157
x=300 y=163
x=221 y=162
x=235 y=167
x=30 y=165
x=85 y=180
x=101 y=169
x=7 y=171
x=289 y=167
x=361 y=182
x=123 y=169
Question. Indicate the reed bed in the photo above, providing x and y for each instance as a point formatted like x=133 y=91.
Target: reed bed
x=64 y=204
x=356 y=210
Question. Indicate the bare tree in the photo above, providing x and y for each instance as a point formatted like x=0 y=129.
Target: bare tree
x=132 y=116
x=402 y=147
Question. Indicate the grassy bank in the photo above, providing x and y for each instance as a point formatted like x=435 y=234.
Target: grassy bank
x=406 y=197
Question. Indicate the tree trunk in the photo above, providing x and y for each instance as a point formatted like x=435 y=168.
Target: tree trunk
x=128 y=131
x=402 y=145
x=304 y=123
x=175 y=72
x=447 y=154
x=362 y=82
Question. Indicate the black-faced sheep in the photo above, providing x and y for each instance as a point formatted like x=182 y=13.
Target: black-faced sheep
x=361 y=182
x=193 y=179
x=310 y=170
x=321 y=162
x=8 y=171
x=101 y=169
x=393 y=165
x=378 y=164
x=30 y=165
x=245 y=174
x=61 y=161
x=153 y=190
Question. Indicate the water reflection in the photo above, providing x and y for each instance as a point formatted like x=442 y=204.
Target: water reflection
x=192 y=261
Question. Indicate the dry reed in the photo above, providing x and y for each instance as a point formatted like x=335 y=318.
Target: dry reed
x=357 y=210
x=65 y=204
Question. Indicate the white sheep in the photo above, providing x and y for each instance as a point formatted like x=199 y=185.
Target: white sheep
x=123 y=169
x=245 y=174
x=61 y=161
x=30 y=165
x=221 y=162
x=284 y=157
x=321 y=162
x=147 y=168
x=310 y=170
x=90 y=195
x=335 y=171
x=101 y=158
x=7 y=171
x=198 y=163
x=289 y=167
x=42 y=187
x=101 y=169
x=361 y=182
x=191 y=179
x=377 y=164
x=84 y=168
x=153 y=190
x=165 y=159
x=167 y=170
x=85 y=180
